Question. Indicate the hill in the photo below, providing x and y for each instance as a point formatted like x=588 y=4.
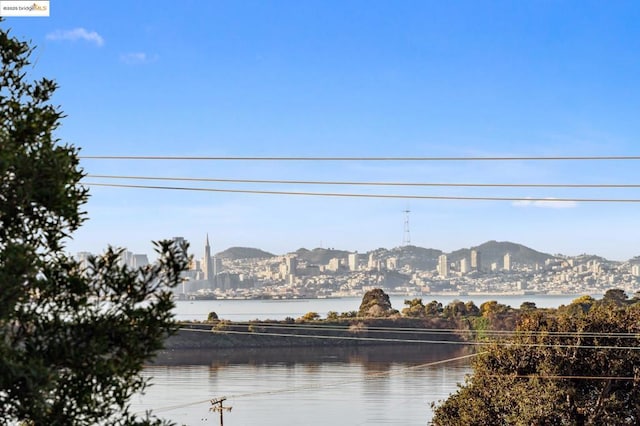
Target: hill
x=235 y=253
x=494 y=251
x=416 y=257
x=320 y=256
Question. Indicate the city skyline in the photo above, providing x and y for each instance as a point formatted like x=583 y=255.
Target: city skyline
x=363 y=79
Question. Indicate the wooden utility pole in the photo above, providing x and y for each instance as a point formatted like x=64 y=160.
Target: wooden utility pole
x=216 y=405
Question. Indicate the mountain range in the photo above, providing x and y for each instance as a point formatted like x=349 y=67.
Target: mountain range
x=417 y=257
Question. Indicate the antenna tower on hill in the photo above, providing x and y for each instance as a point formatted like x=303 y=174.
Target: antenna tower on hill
x=406 y=235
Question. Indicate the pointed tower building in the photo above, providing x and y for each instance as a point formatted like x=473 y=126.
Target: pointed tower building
x=207 y=264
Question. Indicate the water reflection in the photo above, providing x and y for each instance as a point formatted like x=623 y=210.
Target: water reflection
x=311 y=386
x=373 y=357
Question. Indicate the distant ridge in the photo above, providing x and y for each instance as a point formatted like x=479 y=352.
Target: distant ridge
x=415 y=257
x=235 y=253
x=320 y=256
x=494 y=252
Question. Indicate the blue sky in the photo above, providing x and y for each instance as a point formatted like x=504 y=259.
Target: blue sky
x=357 y=78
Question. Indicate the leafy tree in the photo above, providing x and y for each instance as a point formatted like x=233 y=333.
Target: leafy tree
x=614 y=296
x=375 y=303
x=433 y=308
x=558 y=369
x=471 y=309
x=492 y=308
x=332 y=316
x=528 y=306
x=72 y=340
x=310 y=316
x=455 y=309
x=414 y=309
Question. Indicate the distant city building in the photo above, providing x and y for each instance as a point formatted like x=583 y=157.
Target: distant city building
x=494 y=266
x=475 y=260
x=126 y=259
x=292 y=264
x=352 y=260
x=217 y=266
x=334 y=265
x=507 y=262
x=635 y=270
x=392 y=263
x=464 y=266
x=140 y=260
x=207 y=265
x=83 y=258
x=179 y=240
x=373 y=262
x=443 y=266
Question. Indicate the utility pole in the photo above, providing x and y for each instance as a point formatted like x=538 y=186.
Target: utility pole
x=216 y=405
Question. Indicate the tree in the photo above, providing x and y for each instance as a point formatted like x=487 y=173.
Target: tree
x=433 y=308
x=309 y=316
x=558 y=369
x=375 y=303
x=527 y=306
x=414 y=309
x=72 y=340
x=455 y=309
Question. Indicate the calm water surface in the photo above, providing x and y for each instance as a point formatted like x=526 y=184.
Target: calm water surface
x=244 y=310
x=304 y=386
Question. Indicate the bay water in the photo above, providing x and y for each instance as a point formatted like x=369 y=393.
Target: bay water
x=382 y=385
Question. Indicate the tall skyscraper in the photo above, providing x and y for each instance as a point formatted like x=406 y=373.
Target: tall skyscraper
x=207 y=265
x=353 y=261
x=443 y=266
x=507 y=262
x=464 y=266
x=291 y=263
x=475 y=260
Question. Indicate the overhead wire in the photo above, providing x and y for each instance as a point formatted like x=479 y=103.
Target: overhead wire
x=421 y=330
x=368 y=183
x=357 y=158
x=418 y=341
x=361 y=195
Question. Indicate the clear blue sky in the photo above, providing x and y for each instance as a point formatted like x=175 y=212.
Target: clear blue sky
x=357 y=78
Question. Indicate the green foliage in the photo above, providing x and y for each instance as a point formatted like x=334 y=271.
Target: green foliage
x=433 y=308
x=332 y=315
x=541 y=377
x=615 y=296
x=480 y=325
x=471 y=309
x=375 y=303
x=454 y=309
x=492 y=308
x=310 y=316
x=212 y=317
x=72 y=340
x=221 y=325
x=528 y=306
x=414 y=309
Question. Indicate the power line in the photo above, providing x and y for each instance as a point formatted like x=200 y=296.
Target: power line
x=419 y=330
x=238 y=158
x=389 y=196
x=393 y=340
x=365 y=183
